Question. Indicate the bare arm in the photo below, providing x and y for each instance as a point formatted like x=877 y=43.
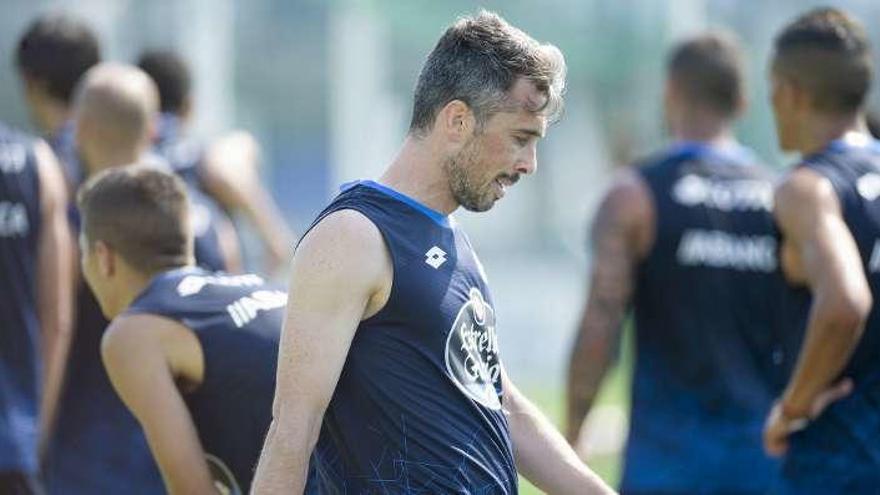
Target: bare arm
x=135 y=353
x=621 y=235
x=55 y=281
x=542 y=454
x=231 y=175
x=341 y=274
x=818 y=250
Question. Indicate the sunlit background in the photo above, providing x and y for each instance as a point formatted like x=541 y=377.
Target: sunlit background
x=326 y=88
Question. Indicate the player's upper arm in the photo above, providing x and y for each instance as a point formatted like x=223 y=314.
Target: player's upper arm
x=56 y=250
x=136 y=353
x=826 y=256
x=624 y=223
x=622 y=234
x=341 y=274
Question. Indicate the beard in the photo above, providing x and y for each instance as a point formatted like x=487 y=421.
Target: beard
x=468 y=191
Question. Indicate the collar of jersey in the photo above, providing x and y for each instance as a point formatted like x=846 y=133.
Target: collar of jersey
x=853 y=140
x=435 y=216
x=734 y=152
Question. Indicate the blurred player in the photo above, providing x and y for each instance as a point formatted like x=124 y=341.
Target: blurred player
x=192 y=353
x=226 y=170
x=390 y=339
x=115 y=119
x=829 y=218
x=100 y=446
x=52 y=55
x=36 y=263
x=686 y=239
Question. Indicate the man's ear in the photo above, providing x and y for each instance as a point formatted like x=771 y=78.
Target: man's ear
x=456 y=121
x=106 y=258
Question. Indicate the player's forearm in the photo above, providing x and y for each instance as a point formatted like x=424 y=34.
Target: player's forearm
x=263 y=213
x=833 y=332
x=56 y=317
x=55 y=358
x=542 y=454
x=284 y=462
x=590 y=359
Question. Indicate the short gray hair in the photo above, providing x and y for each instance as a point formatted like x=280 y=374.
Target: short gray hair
x=477 y=61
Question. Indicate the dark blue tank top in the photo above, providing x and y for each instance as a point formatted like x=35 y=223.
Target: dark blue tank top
x=19 y=326
x=63 y=144
x=98 y=445
x=237 y=319
x=206 y=216
x=185 y=154
x=709 y=355
x=418 y=405
x=852 y=166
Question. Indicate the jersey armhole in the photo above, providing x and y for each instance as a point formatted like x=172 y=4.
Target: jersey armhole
x=392 y=292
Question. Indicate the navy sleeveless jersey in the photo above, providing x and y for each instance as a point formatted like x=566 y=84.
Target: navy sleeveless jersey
x=710 y=358
x=206 y=217
x=840 y=451
x=237 y=319
x=184 y=156
x=63 y=143
x=417 y=408
x=184 y=153
x=19 y=325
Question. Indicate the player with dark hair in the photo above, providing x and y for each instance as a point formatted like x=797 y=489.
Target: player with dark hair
x=226 y=168
x=192 y=353
x=36 y=264
x=686 y=240
x=99 y=446
x=53 y=53
x=827 y=420
x=389 y=359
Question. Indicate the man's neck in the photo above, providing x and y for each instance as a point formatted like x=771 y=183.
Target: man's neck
x=134 y=285
x=50 y=116
x=702 y=127
x=821 y=130
x=417 y=171
x=113 y=158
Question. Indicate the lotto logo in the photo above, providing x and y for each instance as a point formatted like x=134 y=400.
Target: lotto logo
x=435 y=257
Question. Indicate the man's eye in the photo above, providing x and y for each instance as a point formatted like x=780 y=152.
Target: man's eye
x=522 y=141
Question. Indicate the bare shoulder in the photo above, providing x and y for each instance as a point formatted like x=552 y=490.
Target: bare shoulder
x=344 y=252
x=627 y=209
x=137 y=332
x=343 y=235
x=801 y=193
x=52 y=185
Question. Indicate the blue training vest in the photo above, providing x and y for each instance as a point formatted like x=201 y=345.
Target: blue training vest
x=237 y=319
x=418 y=405
x=98 y=445
x=840 y=451
x=184 y=156
x=20 y=363
x=710 y=357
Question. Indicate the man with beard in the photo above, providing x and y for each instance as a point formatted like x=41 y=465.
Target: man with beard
x=389 y=366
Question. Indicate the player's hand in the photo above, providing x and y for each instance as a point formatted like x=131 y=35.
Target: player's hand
x=779 y=426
